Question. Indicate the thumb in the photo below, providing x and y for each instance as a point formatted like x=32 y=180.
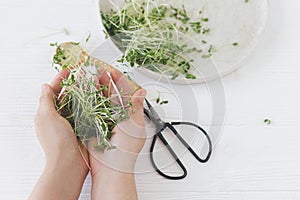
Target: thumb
x=46 y=104
x=137 y=112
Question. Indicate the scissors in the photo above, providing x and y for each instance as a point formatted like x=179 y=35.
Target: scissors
x=160 y=127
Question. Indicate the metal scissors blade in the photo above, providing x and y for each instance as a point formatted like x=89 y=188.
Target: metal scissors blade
x=154 y=117
x=152 y=111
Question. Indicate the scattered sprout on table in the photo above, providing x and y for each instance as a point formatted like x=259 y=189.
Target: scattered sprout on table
x=267 y=121
x=88 y=38
x=164 y=102
x=159 y=100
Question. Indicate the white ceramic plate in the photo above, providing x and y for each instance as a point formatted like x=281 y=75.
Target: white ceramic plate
x=229 y=22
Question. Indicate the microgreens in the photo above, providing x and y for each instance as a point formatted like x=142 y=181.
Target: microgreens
x=90 y=113
x=147 y=33
x=83 y=103
x=267 y=121
x=159 y=100
x=88 y=38
x=164 y=102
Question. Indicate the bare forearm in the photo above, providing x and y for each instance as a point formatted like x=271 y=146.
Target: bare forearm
x=113 y=185
x=64 y=184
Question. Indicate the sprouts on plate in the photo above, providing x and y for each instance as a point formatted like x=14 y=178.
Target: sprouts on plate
x=155 y=36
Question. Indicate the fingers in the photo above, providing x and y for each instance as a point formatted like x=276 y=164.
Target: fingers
x=116 y=75
x=104 y=80
x=131 y=134
x=56 y=83
x=119 y=86
x=122 y=83
x=125 y=90
x=136 y=113
x=46 y=105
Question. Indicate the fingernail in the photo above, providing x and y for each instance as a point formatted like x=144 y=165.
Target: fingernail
x=44 y=89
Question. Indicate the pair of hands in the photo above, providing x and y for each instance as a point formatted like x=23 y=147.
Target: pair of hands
x=67 y=157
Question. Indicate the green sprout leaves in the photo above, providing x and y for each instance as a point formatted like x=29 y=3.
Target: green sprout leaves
x=89 y=111
x=83 y=102
x=147 y=33
x=267 y=121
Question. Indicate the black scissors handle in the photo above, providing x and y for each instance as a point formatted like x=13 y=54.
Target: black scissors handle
x=165 y=142
x=202 y=160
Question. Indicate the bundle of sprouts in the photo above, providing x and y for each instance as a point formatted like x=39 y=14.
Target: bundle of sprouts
x=82 y=101
x=151 y=35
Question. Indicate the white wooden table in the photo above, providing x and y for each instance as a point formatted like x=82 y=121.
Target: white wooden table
x=251 y=160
